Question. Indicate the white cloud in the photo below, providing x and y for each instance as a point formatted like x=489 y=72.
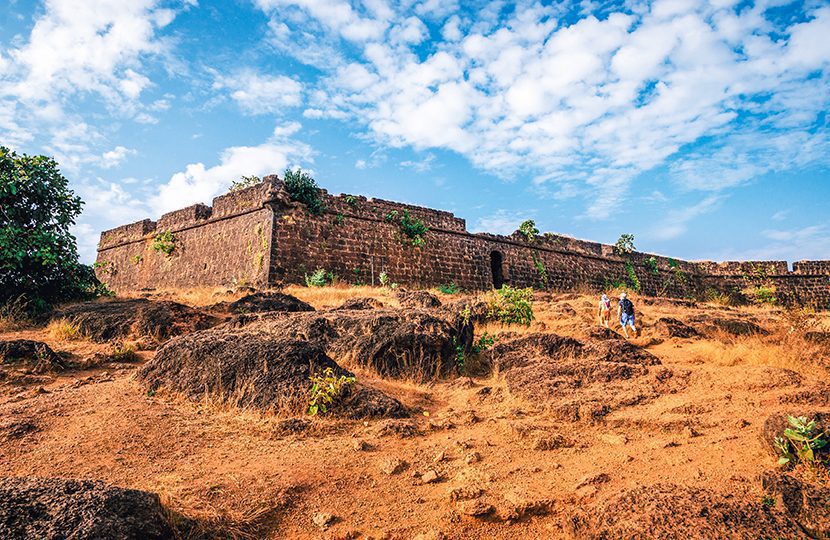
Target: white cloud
x=677 y=222
x=501 y=222
x=199 y=183
x=115 y=157
x=261 y=94
x=807 y=243
x=721 y=95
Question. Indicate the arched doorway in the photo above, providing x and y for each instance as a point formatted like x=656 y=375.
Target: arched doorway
x=496 y=260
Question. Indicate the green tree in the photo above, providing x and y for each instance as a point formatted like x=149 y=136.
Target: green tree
x=529 y=230
x=625 y=244
x=38 y=255
x=303 y=188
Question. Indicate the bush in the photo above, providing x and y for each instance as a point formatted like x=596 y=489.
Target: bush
x=413 y=229
x=164 y=242
x=38 y=255
x=325 y=390
x=761 y=294
x=624 y=245
x=800 y=442
x=245 y=182
x=301 y=187
x=320 y=278
x=529 y=230
x=449 y=288
x=511 y=306
x=651 y=265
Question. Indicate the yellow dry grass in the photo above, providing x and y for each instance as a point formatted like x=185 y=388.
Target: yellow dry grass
x=335 y=295
x=64 y=330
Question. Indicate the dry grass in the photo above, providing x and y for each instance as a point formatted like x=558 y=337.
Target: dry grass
x=64 y=330
x=335 y=295
x=14 y=315
x=196 y=297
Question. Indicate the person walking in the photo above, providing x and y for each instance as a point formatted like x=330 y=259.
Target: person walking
x=604 y=311
x=625 y=311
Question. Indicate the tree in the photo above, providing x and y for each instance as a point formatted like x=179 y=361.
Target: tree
x=625 y=244
x=529 y=230
x=245 y=182
x=38 y=255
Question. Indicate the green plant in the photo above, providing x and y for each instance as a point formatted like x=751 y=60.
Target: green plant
x=614 y=283
x=38 y=253
x=391 y=216
x=414 y=229
x=632 y=276
x=245 y=182
x=137 y=259
x=800 y=442
x=320 y=278
x=104 y=267
x=386 y=281
x=651 y=265
x=511 y=306
x=483 y=343
x=165 y=242
x=338 y=219
x=624 y=245
x=350 y=200
x=460 y=360
x=449 y=288
x=768 y=500
x=761 y=294
x=325 y=389
x=540 y=267
x=125 y=352
x=529 y=230
x=301 y=187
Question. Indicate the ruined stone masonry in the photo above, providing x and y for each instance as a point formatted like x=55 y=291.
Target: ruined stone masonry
x=259 y=237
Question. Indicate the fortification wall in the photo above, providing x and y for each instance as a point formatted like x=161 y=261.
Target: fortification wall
x=228 y=242
x=259 y=236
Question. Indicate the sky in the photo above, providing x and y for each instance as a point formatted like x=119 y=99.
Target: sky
x=700 y=127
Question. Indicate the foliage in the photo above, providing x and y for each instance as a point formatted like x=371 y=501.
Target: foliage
x=717 y=297
x=625 y=244
x=245 y=182
x=483 y=343
x=413 y=228
x=768 y=501
x=137 y=259
x=651 y=265
x=125 y=352
x=460 y=359
x=449 y=288
x=511 y=306
x=325 y=389
x=615 y=284
x=165 y=242
x=800 y=441
x=301 y=187
x=350 y=200
x=529 y=230
x=320 y=278
x=338 y=219
x=761 y=294
x=38 y=255
x=632 y=276
x=540 y=267
x=386 y=281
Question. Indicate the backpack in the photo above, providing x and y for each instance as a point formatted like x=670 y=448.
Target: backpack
x=627 y=306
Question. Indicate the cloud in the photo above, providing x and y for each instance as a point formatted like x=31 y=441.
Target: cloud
x=115 y=157
x=717 y=92
x=806 y=243
x=501 y=222
x=677 y=222
x=421 y=165
x=261 y=94
x=199 y=183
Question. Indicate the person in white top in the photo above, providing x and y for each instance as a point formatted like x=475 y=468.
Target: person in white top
x=604 y=311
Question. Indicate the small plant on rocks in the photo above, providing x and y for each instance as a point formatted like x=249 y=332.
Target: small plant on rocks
x=320 y=278
x=801 y=442
x=325 y=389
x=449 y=288
x=529 y=230
x=301 y=187
x=165 y=242
x=511 y=306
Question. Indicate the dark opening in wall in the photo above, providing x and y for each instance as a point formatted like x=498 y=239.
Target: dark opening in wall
x=496 y=260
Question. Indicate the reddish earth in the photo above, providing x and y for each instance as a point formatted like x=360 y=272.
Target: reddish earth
x=595 y=442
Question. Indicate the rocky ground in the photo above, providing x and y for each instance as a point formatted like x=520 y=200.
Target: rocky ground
x=149 y=418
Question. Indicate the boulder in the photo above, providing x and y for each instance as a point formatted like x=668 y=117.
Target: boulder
x=137 y=318
x=52 y=508
x=361 y=303
x=417 y=299
x=268 y=301
x=35 y=355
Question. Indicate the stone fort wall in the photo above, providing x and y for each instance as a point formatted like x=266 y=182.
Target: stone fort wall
x=259 y=237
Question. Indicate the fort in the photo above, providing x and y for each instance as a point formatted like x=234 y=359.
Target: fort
x=259 y=237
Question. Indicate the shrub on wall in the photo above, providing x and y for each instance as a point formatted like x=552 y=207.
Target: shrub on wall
x=245 y=182
x=301 y=187
x=529 y=230
x=164 y=242
x=412 y=229
x=624 y=245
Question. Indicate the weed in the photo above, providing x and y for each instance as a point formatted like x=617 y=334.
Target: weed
x=350 y=200
x=137 y=259
x=301 y=187
x=125 y=352
x=717 y=297
x=511 y=306
x=338 y=219
x=164 y=242
x=106 y=268
x=449 y=288
x=768 y=501
x=326 y=388
x=386 y=281
x=529 y=230
x=483 y=343
x=413 y=228
x=624 y=245
x=14 y=314
x=245 y=182
x=761 y=294
x=632 y=276
x=64 y=330
x=460 y=360
x=800 y=441
x=320 y=278
x=540 y=267
x=651 y=265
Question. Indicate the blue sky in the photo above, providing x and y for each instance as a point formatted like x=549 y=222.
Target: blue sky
x=700 y=127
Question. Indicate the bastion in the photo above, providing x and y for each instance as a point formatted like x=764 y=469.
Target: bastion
x=259 y=237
